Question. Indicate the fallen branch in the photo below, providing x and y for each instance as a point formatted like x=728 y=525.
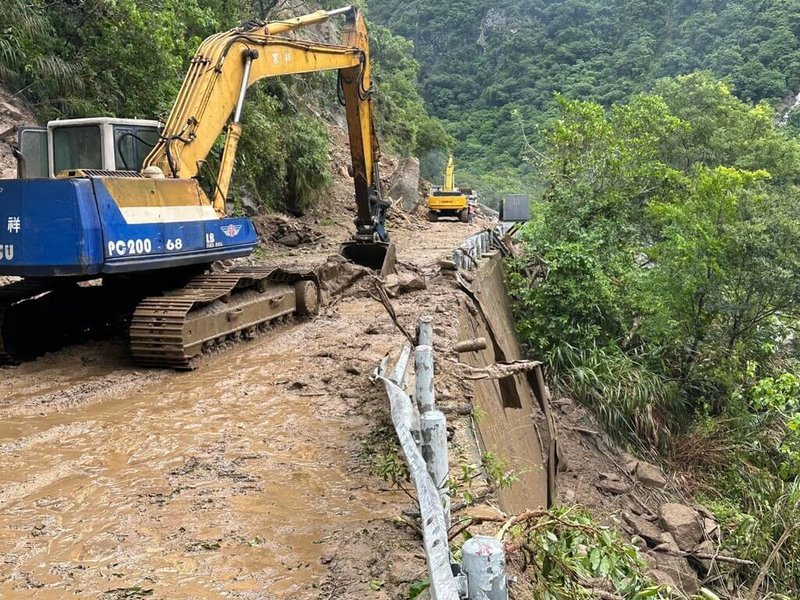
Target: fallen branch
x=498 y=370
x=383 y=298
x=525 y=516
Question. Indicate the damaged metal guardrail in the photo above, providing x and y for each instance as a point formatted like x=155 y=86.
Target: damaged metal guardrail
x=422 y=432
x=474 y=247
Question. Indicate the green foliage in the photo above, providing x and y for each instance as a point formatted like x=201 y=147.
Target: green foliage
x=665 y=267
x=120 y=57
x=761 y=524
x=498 y=472
x=385 y=461
x=29 y=58
x=404 y=125
x=571 y=554
x=283 y=158
x=483 y=60
x=416 y=589
x=658 y=278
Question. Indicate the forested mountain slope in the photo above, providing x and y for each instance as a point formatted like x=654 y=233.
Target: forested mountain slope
x=484 y=60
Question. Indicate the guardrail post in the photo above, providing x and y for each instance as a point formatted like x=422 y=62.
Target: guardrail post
x=424 y=393
x=425 y=335
x=434 y=451
x=484 y=563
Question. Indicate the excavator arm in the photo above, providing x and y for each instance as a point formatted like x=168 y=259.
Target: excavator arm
x=212 y=96
x=450 y=176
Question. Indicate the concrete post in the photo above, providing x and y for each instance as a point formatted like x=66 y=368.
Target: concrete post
x=425 y=328
x=484 y=563
x=423 y=385
x=434 y=451
x=416 y=424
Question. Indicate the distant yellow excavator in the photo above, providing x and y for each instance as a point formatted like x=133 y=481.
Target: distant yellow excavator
x=448 y=200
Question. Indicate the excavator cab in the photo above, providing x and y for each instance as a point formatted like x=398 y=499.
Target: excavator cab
x=96 y=144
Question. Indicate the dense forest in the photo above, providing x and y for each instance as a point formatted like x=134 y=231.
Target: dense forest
x=490 y=69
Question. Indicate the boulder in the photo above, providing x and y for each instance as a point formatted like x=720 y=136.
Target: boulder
x=706 y=548
x=291 y=239
x=661 y=578
x=711 y=528
x=678 y=570
x=667 y=543
x=403 y=283
x=629 y=462
x=644 y=529
x=405 y=184
x=612 y=487
x=683 y=523
x=249 y=204
x=650 y=475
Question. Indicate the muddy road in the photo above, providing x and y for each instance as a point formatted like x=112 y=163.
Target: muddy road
x=243 y=479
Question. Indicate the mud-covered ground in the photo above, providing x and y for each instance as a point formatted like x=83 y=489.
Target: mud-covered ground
x=246 y=478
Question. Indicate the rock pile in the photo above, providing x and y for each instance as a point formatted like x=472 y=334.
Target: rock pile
x=286 y=232
x=679 y=542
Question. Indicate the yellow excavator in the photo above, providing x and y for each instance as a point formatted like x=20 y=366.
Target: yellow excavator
x=93 y=203
x=448 y=200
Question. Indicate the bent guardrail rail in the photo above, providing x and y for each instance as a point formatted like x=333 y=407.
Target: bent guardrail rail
x=422 y=432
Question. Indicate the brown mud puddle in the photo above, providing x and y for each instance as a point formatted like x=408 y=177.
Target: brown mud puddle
x=242 y=479
x=229 y=481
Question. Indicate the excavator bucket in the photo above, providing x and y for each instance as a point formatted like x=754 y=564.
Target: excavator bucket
x=378 y=256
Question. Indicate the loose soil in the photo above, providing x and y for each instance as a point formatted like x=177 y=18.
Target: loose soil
x=247 y=478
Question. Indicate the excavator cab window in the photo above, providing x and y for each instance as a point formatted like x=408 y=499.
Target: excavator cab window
x=77 y=147
x=132 y=145
x=31 y=153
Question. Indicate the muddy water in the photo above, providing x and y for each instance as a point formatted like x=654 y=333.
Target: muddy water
x=230 y=481
x=238 y=480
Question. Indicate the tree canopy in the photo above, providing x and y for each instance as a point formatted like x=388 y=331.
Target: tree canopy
x=482 y=63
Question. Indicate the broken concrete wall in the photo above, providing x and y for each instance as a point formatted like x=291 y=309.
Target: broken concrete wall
x=513 y=413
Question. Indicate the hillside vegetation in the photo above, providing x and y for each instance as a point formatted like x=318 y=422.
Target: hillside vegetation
x=127 y=58
x=659 y=279
x=490 y=67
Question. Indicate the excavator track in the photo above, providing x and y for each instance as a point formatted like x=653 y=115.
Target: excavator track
x=38 y=316
x=11 y=295
x=170 y=331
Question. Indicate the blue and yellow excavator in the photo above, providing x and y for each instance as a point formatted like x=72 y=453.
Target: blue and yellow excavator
x=109 y=223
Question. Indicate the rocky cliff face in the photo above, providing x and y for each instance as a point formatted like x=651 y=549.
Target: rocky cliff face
x=12 y=114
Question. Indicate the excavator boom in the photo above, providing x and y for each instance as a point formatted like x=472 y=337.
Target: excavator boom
x=214 y=90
